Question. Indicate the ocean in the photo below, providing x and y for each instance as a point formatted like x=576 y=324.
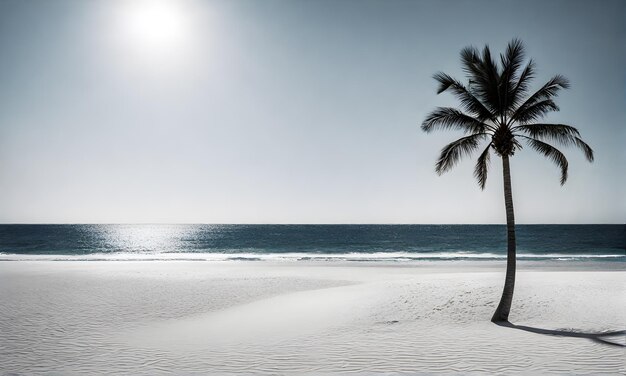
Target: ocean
x=306 y=242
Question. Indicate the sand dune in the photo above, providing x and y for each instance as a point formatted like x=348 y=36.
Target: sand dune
x=307 y=318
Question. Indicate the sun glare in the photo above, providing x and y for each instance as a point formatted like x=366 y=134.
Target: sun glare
x=155 y=24
x=155 y=31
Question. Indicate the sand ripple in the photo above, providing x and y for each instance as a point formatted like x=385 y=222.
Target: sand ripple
x=300 y=320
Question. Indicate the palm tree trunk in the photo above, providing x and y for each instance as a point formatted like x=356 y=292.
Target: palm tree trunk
x=502 y=312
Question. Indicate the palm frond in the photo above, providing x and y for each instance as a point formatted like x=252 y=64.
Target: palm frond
x=469 y=102
x=478 y=75
x=582 y=145
x=492 y=93
x=471 y=65
x=547 y=91
x=513 y=57
x=535 y=111
x=445 y=118
x=482 y=73
x=511 y=62
x=563 y=134
x=551 y=153
x=482 y=165
x=523 y=82
x=470 y=60
x=453 y=152
x=551 y=88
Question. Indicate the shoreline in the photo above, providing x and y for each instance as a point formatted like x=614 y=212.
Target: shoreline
x=463 y=265
x=393 y=258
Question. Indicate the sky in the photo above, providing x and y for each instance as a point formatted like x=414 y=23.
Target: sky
x=276 y=111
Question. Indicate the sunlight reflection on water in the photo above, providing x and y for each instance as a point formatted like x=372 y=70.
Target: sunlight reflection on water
x=152 y=238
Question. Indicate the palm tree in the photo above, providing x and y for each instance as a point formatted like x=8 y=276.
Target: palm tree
x=496 y=108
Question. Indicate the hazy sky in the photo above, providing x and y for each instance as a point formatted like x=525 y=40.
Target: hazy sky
x=283 y=111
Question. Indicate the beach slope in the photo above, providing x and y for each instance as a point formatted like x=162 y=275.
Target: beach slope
x=183 y=317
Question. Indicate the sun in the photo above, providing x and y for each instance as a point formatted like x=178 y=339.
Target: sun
x=155 y=28
x=155 y=23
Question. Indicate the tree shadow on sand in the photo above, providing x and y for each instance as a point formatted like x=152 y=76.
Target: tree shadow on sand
x=606 y=338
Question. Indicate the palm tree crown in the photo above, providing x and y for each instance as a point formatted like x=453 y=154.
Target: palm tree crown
x=496 y=107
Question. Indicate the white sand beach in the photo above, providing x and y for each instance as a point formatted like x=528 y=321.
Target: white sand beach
x=185 y=317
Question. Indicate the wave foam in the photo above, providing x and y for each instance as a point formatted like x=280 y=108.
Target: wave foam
x=295 y=256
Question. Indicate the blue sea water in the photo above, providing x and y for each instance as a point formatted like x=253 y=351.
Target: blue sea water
x=304 y=242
